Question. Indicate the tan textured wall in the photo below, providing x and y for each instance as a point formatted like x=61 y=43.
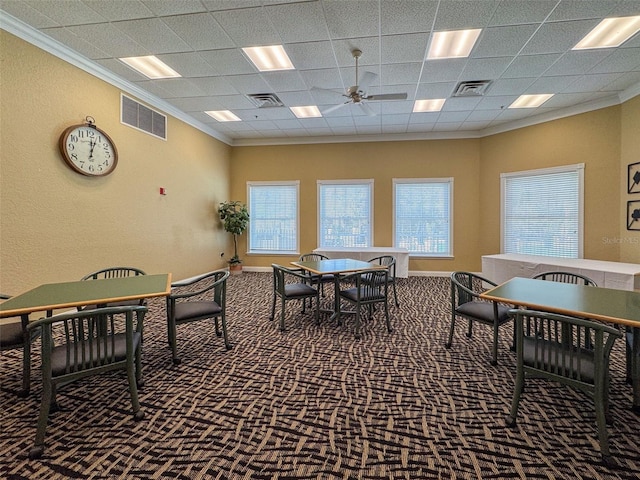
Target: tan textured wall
x=381 y=161
x=56 y=225
x=629 y=240
x=593 y=139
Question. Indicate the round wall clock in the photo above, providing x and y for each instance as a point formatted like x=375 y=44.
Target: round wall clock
x=88 y=150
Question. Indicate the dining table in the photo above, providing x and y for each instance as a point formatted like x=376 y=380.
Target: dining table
x=619 y=307
x=50 y=297
x=336 y=267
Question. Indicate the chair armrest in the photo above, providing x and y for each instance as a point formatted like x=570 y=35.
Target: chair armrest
x=192 y=281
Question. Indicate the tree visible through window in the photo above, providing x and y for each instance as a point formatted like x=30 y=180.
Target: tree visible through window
x=273 y=210
x=422 y=216
x=344 y=213
x=542 y=212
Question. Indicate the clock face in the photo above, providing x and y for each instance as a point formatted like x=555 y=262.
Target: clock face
x=88 y=150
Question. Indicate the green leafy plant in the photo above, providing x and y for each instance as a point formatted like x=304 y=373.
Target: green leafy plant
x=235 y=220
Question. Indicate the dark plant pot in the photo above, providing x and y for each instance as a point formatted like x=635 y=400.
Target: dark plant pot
x=235 y=269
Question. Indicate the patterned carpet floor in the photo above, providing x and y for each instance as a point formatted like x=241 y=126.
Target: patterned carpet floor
x=315 y=403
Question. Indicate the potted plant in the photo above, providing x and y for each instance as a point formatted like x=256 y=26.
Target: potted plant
x=235 y=220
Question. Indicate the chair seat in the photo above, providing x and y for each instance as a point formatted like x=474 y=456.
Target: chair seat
x=549 y=356
x=60 y=365
x=483 y=312
x=298 y=290
x=11 y=335
x=189 y=310
x=368 y=296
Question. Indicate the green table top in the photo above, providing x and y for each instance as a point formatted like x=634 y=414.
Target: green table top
x=605 y=304
x=335 y=265
x=53 y=296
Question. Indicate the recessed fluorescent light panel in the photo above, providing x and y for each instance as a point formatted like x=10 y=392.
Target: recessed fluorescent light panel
x=453 y=44
x=429 y=105
x=308 y=111
x=223 y=116
x=151 y=67
x=530 y=101
x=610 y=32
x=268 y=59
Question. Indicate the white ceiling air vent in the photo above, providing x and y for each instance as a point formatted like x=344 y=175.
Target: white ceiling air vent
x=473 y=88
x=265 y=100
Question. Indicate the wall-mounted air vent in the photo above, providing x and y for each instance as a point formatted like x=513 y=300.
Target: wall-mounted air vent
x=265 y=100
x=142 y=117
x=473 y=88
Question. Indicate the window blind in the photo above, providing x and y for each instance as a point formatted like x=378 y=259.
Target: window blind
x=422 y=216
x=344 y=216
x=273 y=210
x=542 y=212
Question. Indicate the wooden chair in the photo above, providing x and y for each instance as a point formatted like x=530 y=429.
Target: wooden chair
x=200 y=298
x=366 y=289
x=289 y=285
x=580 y=361
x=89 y=342
x=466 y=288
x=388 y=261
x=14 y=335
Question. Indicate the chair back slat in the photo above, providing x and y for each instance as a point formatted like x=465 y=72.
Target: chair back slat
x=565 y=277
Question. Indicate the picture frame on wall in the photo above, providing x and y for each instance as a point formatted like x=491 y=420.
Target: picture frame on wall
x=633 y=215
x=633 y=178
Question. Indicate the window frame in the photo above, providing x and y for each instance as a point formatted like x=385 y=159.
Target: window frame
x=444 y=180
x=321 y=183
x=577 y=168
x=284 y=183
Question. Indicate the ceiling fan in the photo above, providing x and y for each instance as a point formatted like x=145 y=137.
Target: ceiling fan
x=357 y=94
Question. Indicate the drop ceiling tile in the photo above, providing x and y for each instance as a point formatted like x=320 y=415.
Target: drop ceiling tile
x=551 y=84
x=620 y=60
x=248 y=83
x=451 y=117
x=214 y=86
x=228 y=61
x=424 y=117
x=577 y=62
x=393 y=107
x=461 y=104
x=448 y=70
x=393 y=128
x=483 y=115
x=509 y=86
x=352 y=19
x=625 y=81
x=406 y=17
x=200 y=31
x=590 y=83
x=284 y=81
x=154 y=35
x=298 y=22
x=514 y=13
x=74 y=12
x=181 y=7
x=188 y=64
x=369 y=46
x=502 y=41
x=557 y=37
x=462 y=14
x=114 y=11
x=28 y=14
x=530 y=65
x=122 y=69
x=311 y=55
x=325 y=79
x=485 y=68
x=110 y=40
x=79 y=44
x=435 y=90
x=407 y=48
x=400 y=73
x=369 y=129
x=235 y=24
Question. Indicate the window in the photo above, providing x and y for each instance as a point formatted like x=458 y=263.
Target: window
x=542 y=211
x=423 y=216
x=273 y=210
x=345 y=213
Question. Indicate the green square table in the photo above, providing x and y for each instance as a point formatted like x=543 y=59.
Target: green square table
x=54 y=296
x=621 y=307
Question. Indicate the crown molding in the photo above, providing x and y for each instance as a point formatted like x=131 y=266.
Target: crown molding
x=29 y=34
x=52 y=46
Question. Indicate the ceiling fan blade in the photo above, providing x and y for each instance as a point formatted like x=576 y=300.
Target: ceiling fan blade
x=327 y=90
x=367 y=79
x=334 y=108
x=367 y=109
x=388 y=96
